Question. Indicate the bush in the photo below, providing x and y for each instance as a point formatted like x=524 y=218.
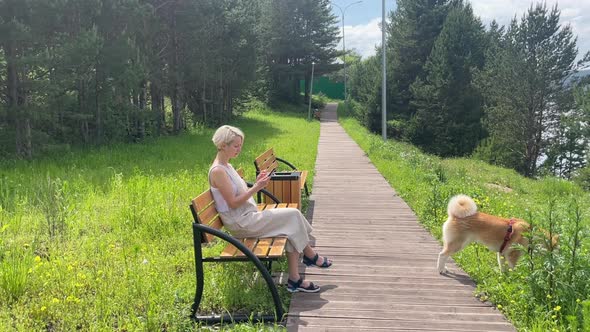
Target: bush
x=319 y=101
x=583 y=178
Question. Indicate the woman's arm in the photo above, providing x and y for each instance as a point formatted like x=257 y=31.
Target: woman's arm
x=221 y=181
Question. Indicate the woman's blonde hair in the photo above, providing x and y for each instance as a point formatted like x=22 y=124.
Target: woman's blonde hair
x=225 y=135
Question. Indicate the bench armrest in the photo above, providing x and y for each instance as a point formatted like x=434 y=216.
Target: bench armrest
x=264 y=191
x=286 y=162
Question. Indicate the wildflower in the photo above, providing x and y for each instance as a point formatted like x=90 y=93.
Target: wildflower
x=553 y=316
x=549 y=296
x=37 y=259
x=578 y=300
x=557 y=308
x=43 y=308
x=55 y=300
x=500 y=306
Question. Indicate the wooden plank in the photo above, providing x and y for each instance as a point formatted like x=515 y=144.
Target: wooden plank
x=285 y=188
x=278 y=247
x=302 y=179
x=249 y=243
x=270 y=206
x=203 y=201
x=229 y=251
x=207 y=213
x=392 y=283
x=266 y=155
x=277 y=190
x=262 y=247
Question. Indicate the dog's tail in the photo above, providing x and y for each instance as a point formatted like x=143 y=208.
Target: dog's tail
x=461 y=206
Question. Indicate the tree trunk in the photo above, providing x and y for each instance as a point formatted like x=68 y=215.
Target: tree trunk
x=157 y=109
x=97 y=111
x=142 y=109
x=18 y=117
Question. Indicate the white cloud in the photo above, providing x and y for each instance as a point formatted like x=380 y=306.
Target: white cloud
x=363 y=38
x=576 y=13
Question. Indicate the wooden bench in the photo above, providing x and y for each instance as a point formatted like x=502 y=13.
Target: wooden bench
x=207 y=227
x=269 y=162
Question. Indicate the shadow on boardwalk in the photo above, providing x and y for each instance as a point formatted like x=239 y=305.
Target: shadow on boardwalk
x=384 y=275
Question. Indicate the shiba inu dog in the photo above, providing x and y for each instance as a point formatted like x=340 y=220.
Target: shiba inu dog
x=466 y=225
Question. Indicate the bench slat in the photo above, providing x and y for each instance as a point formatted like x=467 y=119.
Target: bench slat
x=206 y=213
x=302 y=179
x=272 y=247
x=269 y=165
x=208 y=217
x=262 y=247
x=278 y=247
x=249 y=243
x=229 y=251
x=270 y=206
x=265 y=156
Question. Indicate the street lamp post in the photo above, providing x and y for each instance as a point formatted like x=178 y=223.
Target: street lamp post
x=310 y=93
x=383 y=76
x=344 y=46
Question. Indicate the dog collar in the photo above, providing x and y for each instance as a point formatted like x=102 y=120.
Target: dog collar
x=508 y=235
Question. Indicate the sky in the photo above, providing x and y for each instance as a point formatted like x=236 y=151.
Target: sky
x=362 y=20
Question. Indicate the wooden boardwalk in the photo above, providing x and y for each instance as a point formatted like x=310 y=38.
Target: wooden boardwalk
x=384 y=275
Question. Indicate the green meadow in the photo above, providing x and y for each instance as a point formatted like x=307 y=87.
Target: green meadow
x=101 y=240
x=549 y=288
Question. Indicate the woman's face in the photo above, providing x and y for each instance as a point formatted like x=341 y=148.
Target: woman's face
x=234 y=148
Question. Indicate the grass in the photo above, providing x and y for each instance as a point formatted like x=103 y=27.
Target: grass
x=101 y=239
x=549 y=289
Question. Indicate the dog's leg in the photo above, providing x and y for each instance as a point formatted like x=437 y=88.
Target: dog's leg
x=513 y=257
x=449 y=249
x=442 y=261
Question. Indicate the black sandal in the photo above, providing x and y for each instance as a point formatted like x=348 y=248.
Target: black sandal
x=295 y=286
x=314 y=261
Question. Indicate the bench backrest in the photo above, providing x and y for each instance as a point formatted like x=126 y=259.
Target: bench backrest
x=204 y=212
x=267 y=161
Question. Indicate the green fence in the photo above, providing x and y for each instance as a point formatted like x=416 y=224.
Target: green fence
x=334 y=90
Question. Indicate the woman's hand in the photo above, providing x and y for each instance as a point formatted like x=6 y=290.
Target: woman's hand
x=262 y=180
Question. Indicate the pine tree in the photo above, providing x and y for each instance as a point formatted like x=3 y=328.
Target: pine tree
x=523 y=84
x=414 y=27
x=298 y=32
x=448 y=106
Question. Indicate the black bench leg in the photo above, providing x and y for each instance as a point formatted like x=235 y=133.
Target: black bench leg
x=306 y=190
x=199 y=272
x=269 y=266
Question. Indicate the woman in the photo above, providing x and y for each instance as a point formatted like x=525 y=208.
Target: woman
x=234 y=202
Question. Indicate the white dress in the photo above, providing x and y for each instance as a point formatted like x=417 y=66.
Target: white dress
x=247 y=221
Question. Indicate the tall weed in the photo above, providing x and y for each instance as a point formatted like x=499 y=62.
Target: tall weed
x=14 y=273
